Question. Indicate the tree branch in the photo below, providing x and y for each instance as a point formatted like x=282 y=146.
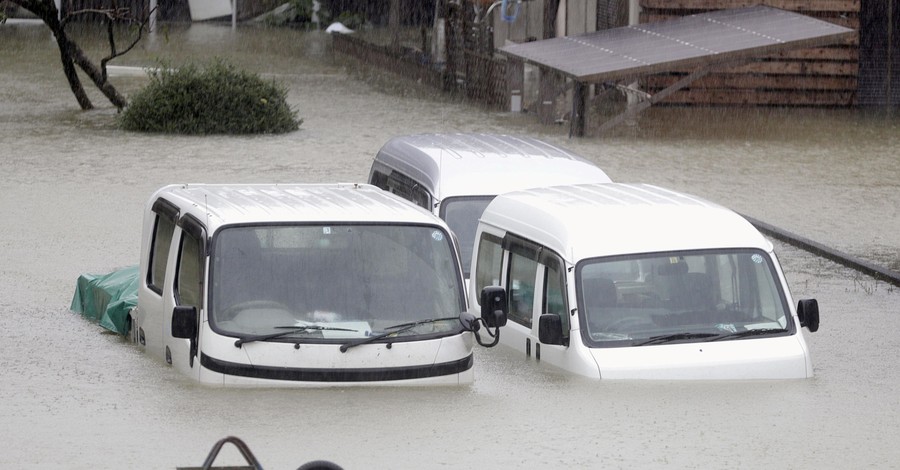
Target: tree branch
x=71 y=54
x=141 y=26
x=47 y=12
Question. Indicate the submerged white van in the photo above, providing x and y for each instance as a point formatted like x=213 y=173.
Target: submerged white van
x=456 y=175
x=282 y=285
x=622 y=281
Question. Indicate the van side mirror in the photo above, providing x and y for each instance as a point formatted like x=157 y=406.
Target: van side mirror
x=184 y=321
x=550 y=329
x=494 y=307
x=469 y=322
x=808 y=313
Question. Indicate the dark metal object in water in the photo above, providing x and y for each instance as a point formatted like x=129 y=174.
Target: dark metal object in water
x=252 y=463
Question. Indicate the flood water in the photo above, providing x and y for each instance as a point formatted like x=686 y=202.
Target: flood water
x=72 y=191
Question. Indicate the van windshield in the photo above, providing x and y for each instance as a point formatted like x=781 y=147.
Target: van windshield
x=462 y=214
x=680 y=296
x=333 y=282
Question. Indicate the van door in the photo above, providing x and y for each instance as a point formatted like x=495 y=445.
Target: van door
x=535 y=280
x=188 y=289
x=553 y=300
x=520 y=275
x=149 y=331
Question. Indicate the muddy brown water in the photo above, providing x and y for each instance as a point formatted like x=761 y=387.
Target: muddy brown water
x=72 y=188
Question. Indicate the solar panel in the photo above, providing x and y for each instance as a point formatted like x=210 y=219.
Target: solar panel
x=702 y=39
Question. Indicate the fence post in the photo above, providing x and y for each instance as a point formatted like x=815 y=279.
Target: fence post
x=547 y=95
x=515 y=84
x=579 y=96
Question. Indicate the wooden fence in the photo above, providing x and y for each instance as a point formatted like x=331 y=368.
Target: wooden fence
x=817 y=76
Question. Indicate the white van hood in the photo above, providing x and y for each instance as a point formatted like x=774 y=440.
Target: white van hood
x=759 y=358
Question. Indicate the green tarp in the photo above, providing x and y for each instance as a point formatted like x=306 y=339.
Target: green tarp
x=107 y=298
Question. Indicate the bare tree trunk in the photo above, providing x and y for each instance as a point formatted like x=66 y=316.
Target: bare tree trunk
x=72 y=75
x=47 y=12
x=394 y=22
x=97 y=76
x=71 y=54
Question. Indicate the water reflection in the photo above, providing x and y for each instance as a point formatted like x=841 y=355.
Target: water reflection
x=73 y=187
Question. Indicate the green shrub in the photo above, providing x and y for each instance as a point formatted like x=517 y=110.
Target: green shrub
x=217 y=99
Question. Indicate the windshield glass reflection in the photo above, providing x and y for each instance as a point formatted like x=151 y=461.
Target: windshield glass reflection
x=333 y=281
x=680 y=296
x=462 y=214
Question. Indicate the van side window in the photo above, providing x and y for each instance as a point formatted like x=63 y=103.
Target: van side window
x=520 y=285
x=489 y=262
x=415 y=194
x=555 y=293
x=403 y=186
x=159 y=252
x=163 y=229
x=189 y=278
x=379 y=179
x=526 y=260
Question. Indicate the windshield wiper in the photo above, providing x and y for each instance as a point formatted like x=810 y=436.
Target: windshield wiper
x=741 y=334
x=396 y=329
x=674 y=337
x=292 y=330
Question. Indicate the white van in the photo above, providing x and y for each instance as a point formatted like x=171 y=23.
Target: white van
x=279 y=285
x=457 y=175
x=629 y=281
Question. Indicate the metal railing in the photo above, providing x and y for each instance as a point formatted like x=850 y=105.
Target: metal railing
x=252 y=463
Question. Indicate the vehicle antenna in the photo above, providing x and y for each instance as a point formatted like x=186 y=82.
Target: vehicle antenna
x=206 y=209
x=440 y=172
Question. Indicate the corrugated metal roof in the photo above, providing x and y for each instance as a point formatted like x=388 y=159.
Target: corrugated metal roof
x=707 y=38
x=221 y=204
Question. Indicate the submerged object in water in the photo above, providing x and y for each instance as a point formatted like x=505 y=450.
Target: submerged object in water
x=338 y=27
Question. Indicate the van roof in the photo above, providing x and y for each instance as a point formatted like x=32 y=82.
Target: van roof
x=586 y=221
x=484 y=164
x=225 y=204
